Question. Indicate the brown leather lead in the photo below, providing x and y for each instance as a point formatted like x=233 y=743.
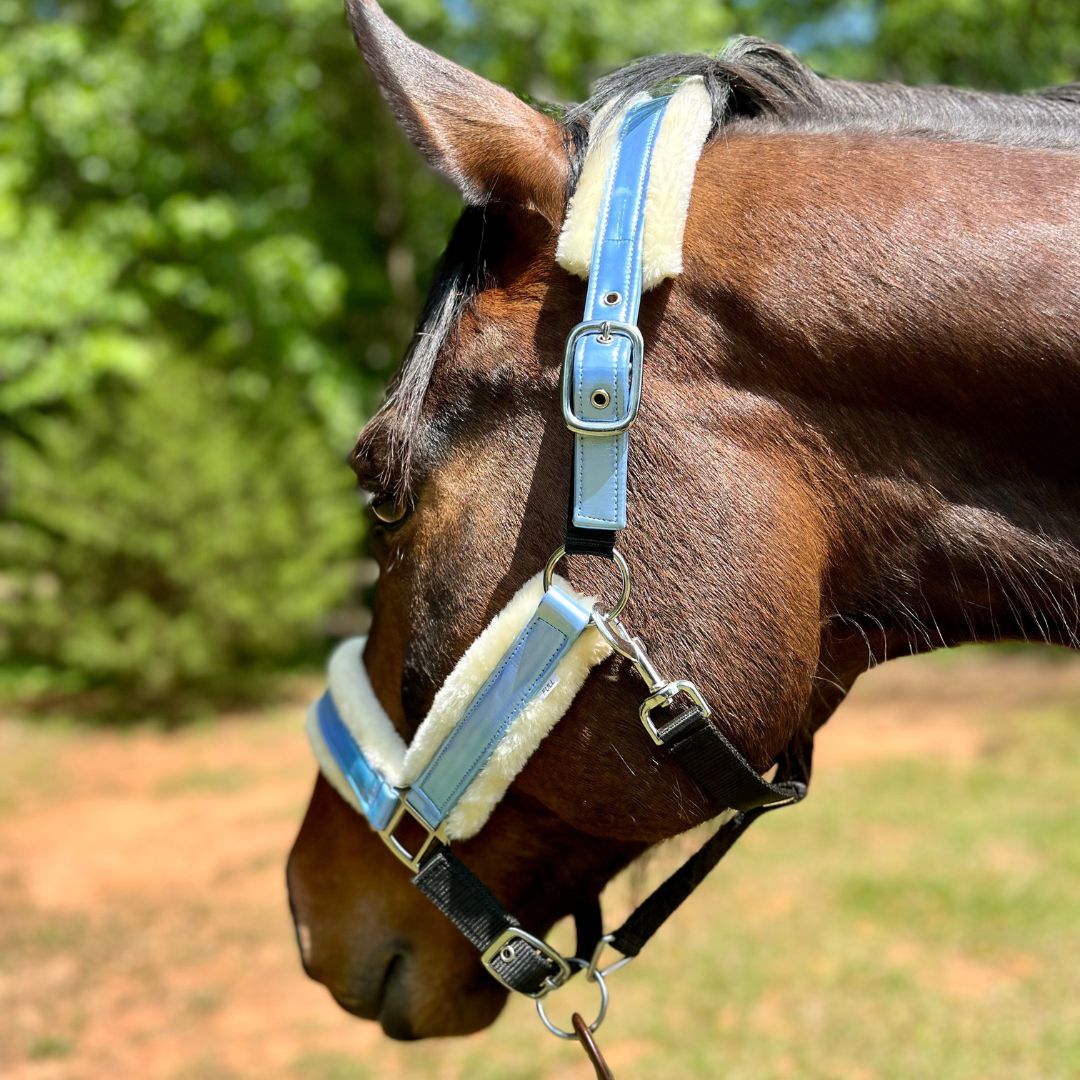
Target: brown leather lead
x=592 y=1051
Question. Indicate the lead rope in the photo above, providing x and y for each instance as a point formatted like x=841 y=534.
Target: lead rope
x=592 y=1051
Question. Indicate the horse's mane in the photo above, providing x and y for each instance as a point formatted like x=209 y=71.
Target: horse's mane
x=754 y=83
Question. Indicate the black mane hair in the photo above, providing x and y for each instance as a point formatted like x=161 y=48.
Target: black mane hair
x=752 y=82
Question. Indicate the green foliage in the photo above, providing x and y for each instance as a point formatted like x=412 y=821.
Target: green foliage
x=169 y=541
x=217 y=184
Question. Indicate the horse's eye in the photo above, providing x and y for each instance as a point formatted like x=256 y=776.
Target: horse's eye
x=390 y=511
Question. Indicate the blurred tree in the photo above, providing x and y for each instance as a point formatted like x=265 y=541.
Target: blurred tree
x=168 y=542
x=216 y=183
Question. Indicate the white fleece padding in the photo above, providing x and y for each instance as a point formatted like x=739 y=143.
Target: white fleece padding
x=683 y=131
x=374 y=732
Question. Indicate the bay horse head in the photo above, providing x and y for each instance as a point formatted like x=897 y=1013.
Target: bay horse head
x=856 y=442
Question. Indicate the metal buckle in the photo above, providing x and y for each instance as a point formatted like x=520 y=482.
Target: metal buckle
x=503 y=948
x=410 y=859
x=605 y=330
x=662 y=697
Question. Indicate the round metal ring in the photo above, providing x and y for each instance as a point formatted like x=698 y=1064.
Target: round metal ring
x=624 y=572
x=598 y=978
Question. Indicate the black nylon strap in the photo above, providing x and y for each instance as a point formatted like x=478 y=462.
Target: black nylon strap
x=790 y=787
x=580 y=541
x=457 y=892
x=716 y=766
x=665 y=900
x=589 y=928
x=460 y=895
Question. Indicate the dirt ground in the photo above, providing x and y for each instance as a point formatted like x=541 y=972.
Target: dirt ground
x=144 y=929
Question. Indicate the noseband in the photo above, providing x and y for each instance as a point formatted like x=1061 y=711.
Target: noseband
x=518 y=679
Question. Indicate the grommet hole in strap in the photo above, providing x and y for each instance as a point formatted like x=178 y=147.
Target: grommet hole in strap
x=624 y=573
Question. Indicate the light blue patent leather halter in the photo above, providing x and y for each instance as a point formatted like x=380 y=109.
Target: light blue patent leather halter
x=603 y=375
x=522 y=674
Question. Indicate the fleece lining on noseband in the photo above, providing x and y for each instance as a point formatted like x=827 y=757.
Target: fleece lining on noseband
x=682 y=135
x=368 y=723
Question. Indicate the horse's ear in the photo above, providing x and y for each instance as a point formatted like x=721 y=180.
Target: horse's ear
x=487 y=142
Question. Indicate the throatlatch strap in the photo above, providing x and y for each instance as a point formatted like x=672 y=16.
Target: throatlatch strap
x=719 y=769
x=665 y=900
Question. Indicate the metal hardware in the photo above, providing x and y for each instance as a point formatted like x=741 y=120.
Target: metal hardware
x=600 y=398
x=662 y=691
x=514 y=935
x=624 y=572
x=605 y=331
x=559 y=1032
x=611 y=299
x=663 y=697
x=594 y=967
x=411 y=859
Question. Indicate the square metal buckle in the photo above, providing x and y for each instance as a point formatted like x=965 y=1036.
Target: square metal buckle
x=410 y=859
x=663 y=697
x=503 y=948
x=605 y=330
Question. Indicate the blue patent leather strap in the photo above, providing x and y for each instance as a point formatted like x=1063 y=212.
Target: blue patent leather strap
x=599 y=481
x=378 y=799
x=525 y=672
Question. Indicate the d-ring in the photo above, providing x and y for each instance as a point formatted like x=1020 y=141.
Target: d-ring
x=597 y=977
x=624 y=572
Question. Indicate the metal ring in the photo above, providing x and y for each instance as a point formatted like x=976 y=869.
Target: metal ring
x=624 y=572
x=598 y=978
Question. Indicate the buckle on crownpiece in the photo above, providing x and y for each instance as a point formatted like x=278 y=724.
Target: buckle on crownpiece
x=502 y=948
x=662 y=697
x=605 y=331
x=411 y=859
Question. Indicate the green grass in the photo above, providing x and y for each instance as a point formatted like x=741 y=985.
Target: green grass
x=50 y=1047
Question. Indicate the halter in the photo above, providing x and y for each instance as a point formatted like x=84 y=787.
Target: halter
x=521 y=675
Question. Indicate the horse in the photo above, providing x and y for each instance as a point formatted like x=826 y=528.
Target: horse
x=856 y=442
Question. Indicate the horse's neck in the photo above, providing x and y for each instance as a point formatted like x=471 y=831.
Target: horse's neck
x=916 y=305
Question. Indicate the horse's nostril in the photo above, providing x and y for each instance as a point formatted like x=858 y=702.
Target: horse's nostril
x=374 y=994
x=394 y=1011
